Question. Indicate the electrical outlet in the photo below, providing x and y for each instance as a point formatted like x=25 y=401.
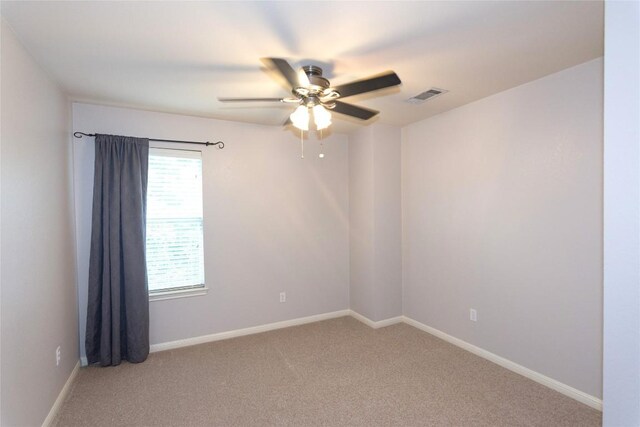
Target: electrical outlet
x=283 y=297
x=473 y=315
x=58 y=354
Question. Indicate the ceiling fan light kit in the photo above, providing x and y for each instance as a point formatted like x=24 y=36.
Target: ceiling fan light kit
x=300 y=117
x=321 y=117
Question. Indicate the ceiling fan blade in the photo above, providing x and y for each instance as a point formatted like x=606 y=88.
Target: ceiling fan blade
x=354 y=111
x=303 y=79
x=283 y=68
x=250 y=100
x=387 y=79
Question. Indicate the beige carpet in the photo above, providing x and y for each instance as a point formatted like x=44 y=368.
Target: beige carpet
x=333 y=373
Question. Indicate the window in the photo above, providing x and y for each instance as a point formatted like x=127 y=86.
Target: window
x=175 y=257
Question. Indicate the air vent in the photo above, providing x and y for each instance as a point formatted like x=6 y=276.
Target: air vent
x=429 y=94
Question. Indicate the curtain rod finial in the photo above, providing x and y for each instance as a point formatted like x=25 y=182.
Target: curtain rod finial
x=81 y=134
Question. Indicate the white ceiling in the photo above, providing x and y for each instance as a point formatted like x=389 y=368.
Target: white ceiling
x=179 y=56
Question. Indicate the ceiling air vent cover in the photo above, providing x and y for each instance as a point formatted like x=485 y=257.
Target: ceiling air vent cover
x=429 y=94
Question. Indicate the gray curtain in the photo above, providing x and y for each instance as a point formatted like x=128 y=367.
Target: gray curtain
x=118 y=306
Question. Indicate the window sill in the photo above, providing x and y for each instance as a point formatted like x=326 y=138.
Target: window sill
x=181 y=293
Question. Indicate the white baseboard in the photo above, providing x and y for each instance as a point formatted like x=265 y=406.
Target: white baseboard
x=373 y=324
x=61 y=397
x=247 y=331
x=569 y=391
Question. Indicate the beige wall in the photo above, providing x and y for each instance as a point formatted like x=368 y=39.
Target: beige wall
x=361 y=224
x=375 y=221
x=502 y=212
x=39 y=308
x=272 y=221
x=387 y=222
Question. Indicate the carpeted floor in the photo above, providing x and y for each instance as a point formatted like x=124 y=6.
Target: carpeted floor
x=333 y=373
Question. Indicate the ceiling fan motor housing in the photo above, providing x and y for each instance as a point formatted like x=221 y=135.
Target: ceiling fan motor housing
x=318 y=91
x=317 y=82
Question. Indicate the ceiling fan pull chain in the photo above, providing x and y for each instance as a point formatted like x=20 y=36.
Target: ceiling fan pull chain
x=321 y=155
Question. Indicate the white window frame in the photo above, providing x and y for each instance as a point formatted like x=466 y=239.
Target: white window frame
x=191 y=291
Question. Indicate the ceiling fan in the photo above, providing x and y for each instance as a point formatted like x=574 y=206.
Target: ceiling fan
x=313 y=92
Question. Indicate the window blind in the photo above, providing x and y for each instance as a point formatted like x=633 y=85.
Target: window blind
x=175 y=257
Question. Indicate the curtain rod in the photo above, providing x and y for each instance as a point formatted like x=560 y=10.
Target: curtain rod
x=220 y=144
